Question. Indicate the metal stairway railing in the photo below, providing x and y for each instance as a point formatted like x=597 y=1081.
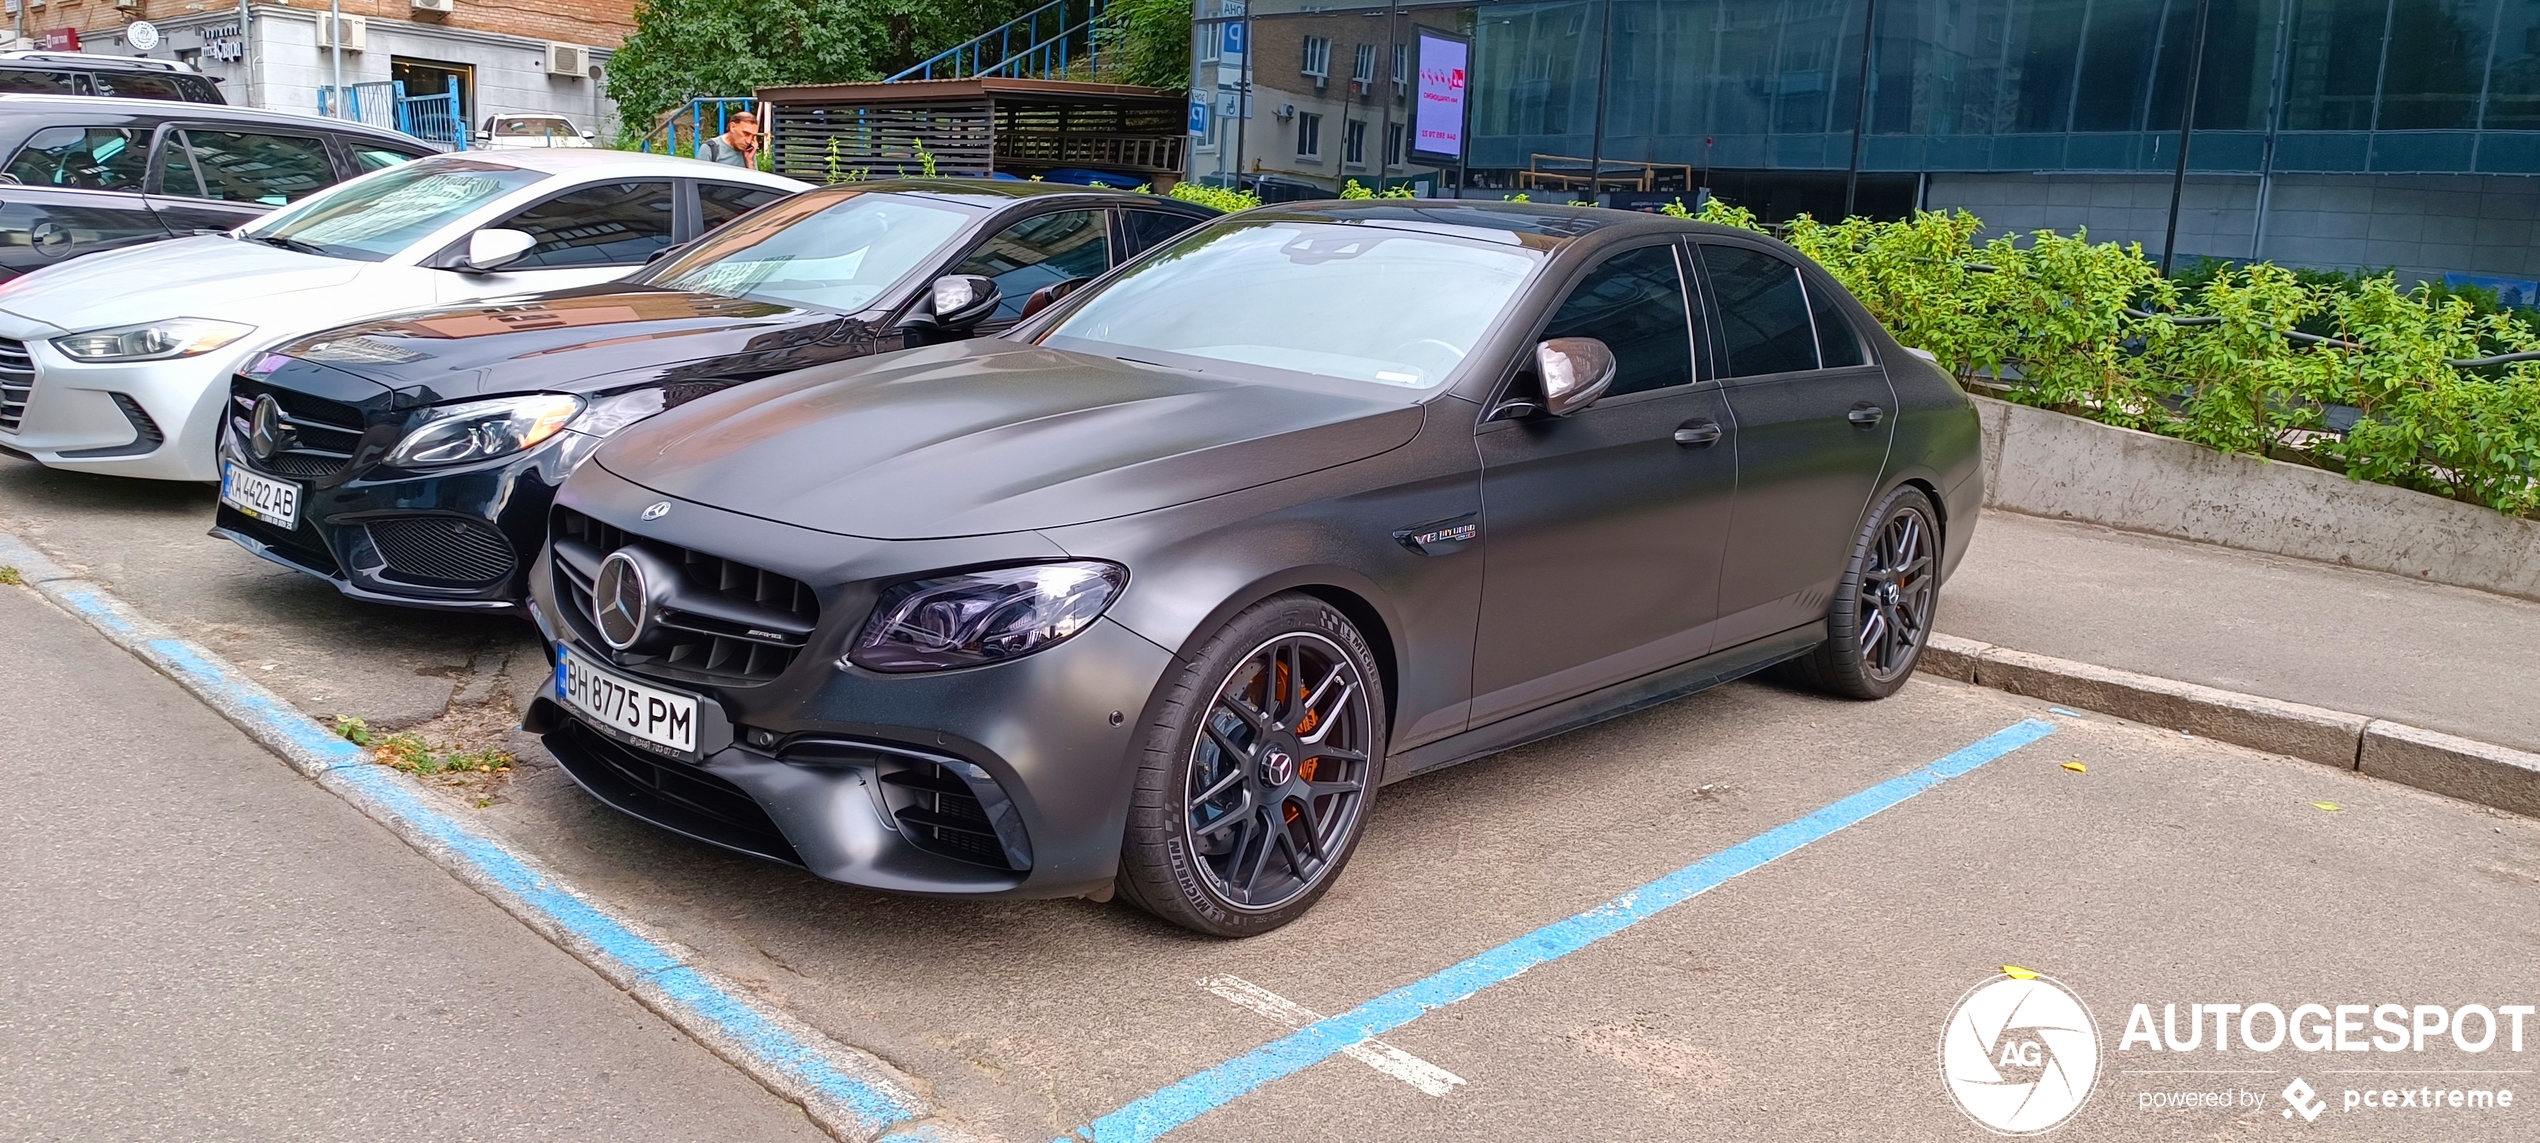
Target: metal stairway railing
x=1043 y=43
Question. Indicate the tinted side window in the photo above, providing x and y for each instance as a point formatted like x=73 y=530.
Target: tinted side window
x=372 y=158
x=1149 y=229
x=1764 y=326
x=137 y=86
x=96 y=158
x=240 y=166
x=1635 y=304
x=38 y=82
x=1836 y=339
x=719 y=203
x=1038 y=252
x=612 y=224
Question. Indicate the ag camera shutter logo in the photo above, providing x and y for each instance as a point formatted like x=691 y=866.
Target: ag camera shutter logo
x=2020 y=1054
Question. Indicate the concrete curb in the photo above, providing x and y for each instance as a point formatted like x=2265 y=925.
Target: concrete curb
x=850 y=1094
x=2464 y=768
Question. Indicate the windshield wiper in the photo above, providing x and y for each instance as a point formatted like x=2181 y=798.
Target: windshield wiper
x=289 y=244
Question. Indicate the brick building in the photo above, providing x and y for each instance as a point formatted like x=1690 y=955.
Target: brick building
x=517 y=56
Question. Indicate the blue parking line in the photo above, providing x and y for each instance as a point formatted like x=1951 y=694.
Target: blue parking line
x=733 y=1020
x=1156 y=1114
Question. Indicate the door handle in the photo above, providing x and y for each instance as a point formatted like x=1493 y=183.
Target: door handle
x=1698 y=433
x=1866 y=414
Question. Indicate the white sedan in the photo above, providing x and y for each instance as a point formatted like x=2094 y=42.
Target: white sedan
x=120 y=362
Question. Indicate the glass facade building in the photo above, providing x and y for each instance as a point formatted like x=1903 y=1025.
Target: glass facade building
x=2399 y=133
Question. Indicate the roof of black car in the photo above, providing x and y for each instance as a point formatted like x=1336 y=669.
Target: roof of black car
x=1560 y=223
x=1006 y=189
x=77 y=105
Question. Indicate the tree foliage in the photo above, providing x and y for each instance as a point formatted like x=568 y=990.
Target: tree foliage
x=687 y=48
x=1147 y=42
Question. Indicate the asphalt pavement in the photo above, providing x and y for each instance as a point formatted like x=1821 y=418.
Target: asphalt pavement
x=1804 y=999
x=202 y=945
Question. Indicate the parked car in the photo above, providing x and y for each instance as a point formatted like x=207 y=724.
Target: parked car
x=119 y=362
x=503 y=132
x=85 y=175
x=1154 y=592
x=126 y=77
x=411 y=459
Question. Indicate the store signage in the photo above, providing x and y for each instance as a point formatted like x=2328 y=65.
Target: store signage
x=142 y=35
x=1438 y=125
x=222 y=43
x=59 y=40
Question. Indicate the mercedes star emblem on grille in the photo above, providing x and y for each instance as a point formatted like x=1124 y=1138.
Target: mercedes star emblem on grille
x=269 y=432
x=620 y=600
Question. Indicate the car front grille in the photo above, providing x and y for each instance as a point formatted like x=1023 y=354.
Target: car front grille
x=726 y=623
x=17 y=383
x=676 y=795
x=442 y=550
x=326 y=431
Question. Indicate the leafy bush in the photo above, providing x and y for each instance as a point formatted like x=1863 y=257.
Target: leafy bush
x=1224 y=199
x=1353 y=189
x=2092 y=329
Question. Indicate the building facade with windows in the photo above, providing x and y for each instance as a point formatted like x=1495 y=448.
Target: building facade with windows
x=543 y=57
x=2343 y=133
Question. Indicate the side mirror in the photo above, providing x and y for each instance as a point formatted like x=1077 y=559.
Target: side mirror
x=590 y=135
x=952 y=306
x=1575 y=372
x=493 y=248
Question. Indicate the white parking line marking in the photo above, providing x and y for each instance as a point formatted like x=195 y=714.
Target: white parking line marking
x=1377 y=1054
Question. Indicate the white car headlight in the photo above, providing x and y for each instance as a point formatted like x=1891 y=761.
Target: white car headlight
x=152 y=341
x=477 y=430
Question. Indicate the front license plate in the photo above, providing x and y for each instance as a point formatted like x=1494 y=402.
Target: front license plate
x=664 y=718
x=276 y=502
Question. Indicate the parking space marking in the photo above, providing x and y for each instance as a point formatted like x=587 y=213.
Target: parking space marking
x=844 y=1091
x=1154 y=1115
x=1377 y=1054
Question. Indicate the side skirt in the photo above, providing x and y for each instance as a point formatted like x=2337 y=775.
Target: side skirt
x=1598 y=705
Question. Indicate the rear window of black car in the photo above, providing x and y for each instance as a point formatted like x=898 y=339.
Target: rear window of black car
x=90 y=158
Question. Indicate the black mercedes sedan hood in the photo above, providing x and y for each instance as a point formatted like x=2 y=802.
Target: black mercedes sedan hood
x=563 y=341
x=989 y=436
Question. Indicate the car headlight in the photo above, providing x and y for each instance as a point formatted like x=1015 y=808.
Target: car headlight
x=152 y=341
x=477 y=430
x=983 y=617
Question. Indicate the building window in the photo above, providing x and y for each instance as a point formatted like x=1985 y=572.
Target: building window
x=1362 y=70
x=1401 y=69
x=1393 y=144
x=1209 y=37
x=1318 y=58
x=1354 y=142
x=1309 y=135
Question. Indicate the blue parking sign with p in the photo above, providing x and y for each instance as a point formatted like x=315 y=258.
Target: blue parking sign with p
x=1234 y=39
x=1199 y=116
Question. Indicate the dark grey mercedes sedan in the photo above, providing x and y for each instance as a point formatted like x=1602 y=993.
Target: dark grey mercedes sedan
x=1153 y=593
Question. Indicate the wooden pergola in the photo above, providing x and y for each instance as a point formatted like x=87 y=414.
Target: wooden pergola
x=974 y=127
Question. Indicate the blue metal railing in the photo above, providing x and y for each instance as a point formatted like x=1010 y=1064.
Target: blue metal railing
x=432 y=118
x=1040 y=44
x=701 y=118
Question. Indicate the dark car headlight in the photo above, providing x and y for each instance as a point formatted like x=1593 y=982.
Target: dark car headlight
x=980 y=617
x=478 y=430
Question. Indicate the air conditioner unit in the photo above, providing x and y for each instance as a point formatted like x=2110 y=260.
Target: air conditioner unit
x=572 y=60
x=356 y=32
x=127 y=4
x=433 y=5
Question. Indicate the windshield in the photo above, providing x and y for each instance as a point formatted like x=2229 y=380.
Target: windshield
x=512 y=127
x=818 y=250
x=1364 y=303
x=373 y=219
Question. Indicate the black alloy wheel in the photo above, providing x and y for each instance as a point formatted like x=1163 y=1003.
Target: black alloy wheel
x=1881 y=614
x=1259 y=775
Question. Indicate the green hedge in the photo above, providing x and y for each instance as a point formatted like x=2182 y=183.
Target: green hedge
x=2092 y=329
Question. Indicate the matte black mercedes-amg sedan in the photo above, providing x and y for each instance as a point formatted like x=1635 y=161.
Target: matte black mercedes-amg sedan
x=1154 y=592
x=411 y=459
